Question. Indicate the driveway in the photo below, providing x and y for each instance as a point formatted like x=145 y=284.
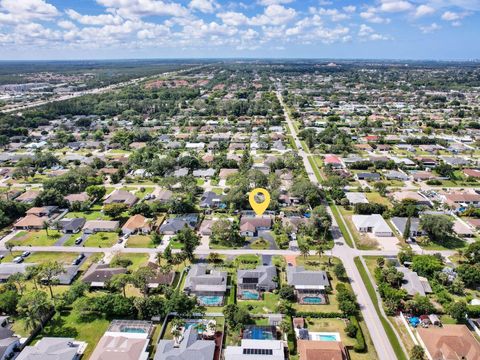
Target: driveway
x=267 y=236
x=63 y=240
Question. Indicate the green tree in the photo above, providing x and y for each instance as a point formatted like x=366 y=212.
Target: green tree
x=34 y=307
x=120 y=282
x=95 y=192
x=49 y=273
x=406 y=231
x=190 y=241
x=437 y=227
x=114 y=210
x=426 y=265
x=458 y=310
x=417 y=353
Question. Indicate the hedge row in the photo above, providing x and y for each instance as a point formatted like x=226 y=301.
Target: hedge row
x=319 y=315
x=473 y=311
x=360 y=346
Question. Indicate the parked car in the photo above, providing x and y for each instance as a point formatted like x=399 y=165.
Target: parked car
x=78 y=241
x=25 y=254
x=18 y=260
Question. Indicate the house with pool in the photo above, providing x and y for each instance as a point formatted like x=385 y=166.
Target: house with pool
x=310 y=286
x=207 y=284
x=252 y=282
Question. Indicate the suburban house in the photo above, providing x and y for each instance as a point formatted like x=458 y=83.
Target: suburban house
x=42 y=211
x=7 y=269
x=310 y=286
x=121 y=197
x=401 y=222
x=396 y=175
x=203 y=281
x=250 y=226
x=321 y=350
x=459 y=199
x=211 y=200
x=356 y=198
x=53 y=348
x=81 y=198
x=173 y=226
x=252 y=281
x=368 y=176
x=161 y=195
x=93 y=226
x=28 y=197
x=250 y=349
x=373 y=223
x=124 y=339
x=136 y=224
x=449 y=342
x=30 y=222
x=414 y=284
x=333 y=160
x=71 y=225
x=189 y=346
x=159 y=278
x=411 y=195
x=98 y=275
x=473 y=173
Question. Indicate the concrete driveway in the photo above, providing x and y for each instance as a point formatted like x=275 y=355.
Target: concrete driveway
x=63 y=239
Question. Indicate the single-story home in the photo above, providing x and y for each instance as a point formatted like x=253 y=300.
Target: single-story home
x=356 y=198
x=203 y=281
x=98 y=275
x=263 y=278
x=373 y=223
x=121 y=197
x=93 y=226
x=71 y=225
x=249 y=226
x=53 y=348
x=136 y=224
x=310 y=286
x=414 y=284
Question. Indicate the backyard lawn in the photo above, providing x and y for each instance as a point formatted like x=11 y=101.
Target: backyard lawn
x=138 y=260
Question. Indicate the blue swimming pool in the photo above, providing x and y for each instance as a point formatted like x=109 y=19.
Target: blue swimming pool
x=325 y=336
x=133 y=330
x=312 y=300
x=257 y=333
x=211 y=300
x=250 y=295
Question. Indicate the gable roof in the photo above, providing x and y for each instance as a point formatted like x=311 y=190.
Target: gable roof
x=190 y=347
x=321 y=350
x=264 y=274
x=50 y=348
x=306 y=279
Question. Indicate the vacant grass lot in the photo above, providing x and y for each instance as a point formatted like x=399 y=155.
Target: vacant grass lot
x=36 y=238
x=140 y=241
x=101 y=239
x=138 y=260
x=42 y=257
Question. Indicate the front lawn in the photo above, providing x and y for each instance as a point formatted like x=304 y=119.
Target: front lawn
x=140 y=241
x=101 y=239
x=36 y=238
x=42 y=257
x=138 y=260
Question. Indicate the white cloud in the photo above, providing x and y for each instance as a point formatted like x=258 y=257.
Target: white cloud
x=274 y=2
x=452 y=16
x=367 y=33
x=349 y=9
x=17 y=11
x=426 y=29
x=274 y=15
x=233 y=18
x=102 y=19
x=393 y=6
x=424 y=10
x=334 y=14
x=371 y=15
x=139 y=8
x=206 y=6
x=65 y=24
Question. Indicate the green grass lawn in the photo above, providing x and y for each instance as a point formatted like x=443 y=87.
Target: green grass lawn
x=36 y=238
x=101 y=239
x=41 y=257
x=89 y=215
x=377 y=198
x=267 y=305
x=260 y=244
x=146 y=191
x=138 y=260
x=68 y=324
x=140 y=241
x=341 y=224
x=363 y=242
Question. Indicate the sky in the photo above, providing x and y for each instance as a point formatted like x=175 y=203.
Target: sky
x=122 y=29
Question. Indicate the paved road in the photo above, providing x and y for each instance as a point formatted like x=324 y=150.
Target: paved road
x=346 y=254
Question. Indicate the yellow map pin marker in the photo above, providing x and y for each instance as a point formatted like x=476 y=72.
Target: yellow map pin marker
x=259 y=208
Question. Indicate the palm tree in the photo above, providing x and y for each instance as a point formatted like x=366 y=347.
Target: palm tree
x=304 y=250
x=45 y=226
x=9 y=246
x=319 y=252
x=159 y=258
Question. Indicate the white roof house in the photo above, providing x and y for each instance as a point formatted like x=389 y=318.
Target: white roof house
x=372 y=224
x=356 y=198
x=256 y=349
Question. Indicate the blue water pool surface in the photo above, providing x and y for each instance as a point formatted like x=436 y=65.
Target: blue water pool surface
x=250 y=295
x=312 y=300
x=327 y=338
x=261 y=334
x=211 y=300
x=133 y=330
